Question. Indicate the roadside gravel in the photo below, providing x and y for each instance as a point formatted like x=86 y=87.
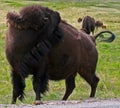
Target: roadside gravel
x=90 y=103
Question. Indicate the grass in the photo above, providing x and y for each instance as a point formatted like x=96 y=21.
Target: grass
x=108 y=67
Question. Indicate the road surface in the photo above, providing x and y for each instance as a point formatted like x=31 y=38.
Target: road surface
x=90 y=103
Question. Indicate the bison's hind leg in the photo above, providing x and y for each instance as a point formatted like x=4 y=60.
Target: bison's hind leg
x=93 y=85
x=92 y=79
x=18 y=87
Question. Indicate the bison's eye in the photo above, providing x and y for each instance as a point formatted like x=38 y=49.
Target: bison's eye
x=45 y=19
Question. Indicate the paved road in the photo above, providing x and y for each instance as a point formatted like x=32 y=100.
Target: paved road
x=91 y=103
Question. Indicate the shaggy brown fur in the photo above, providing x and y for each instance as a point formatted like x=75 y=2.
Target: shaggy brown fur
x=59 y=51
x=26 y=19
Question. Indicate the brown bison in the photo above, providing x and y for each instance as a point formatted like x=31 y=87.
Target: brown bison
x=39 y=43
x=89 y=24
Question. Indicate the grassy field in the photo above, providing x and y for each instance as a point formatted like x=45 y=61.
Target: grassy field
x=108 y=68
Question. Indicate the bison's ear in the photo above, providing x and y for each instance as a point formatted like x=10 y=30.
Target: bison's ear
x=13 y=19
x=54 y=20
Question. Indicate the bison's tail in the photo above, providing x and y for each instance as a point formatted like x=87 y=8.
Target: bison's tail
x=108 y=39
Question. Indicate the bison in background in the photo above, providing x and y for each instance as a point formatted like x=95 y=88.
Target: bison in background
x=39 y=43
x=89 y=24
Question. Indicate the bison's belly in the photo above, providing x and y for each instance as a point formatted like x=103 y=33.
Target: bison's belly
x=62 y=65
x=59 y=73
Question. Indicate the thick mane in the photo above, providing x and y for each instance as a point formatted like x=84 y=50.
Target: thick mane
x=44 y=22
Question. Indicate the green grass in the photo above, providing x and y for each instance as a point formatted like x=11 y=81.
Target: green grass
x=108 y=67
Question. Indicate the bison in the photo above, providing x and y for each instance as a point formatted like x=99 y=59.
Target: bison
x=40 y=43
x=89 y=24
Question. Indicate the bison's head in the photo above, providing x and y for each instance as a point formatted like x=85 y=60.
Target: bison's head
x=34 y=17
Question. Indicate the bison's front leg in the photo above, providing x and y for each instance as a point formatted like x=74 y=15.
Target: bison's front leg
x=36 y=86
x=18 y=87
x=40 y=84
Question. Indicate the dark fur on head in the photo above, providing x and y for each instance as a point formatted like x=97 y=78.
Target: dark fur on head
x=31 y=17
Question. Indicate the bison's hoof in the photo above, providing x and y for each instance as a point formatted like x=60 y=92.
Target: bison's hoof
x=38 y=102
